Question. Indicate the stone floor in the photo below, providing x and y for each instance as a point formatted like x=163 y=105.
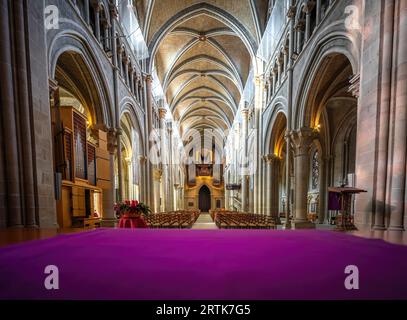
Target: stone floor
x=204 y=222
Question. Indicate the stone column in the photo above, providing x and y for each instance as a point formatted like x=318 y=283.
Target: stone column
x=149 y=128
x=97 y=22
x=245 y=117
x=119 y=164
x=109 y=218
x=267 y=90
x=299 y=28
x=302 y=140
x=398 y=174
x=126 y=70
x=291 y=16
x=120 y=60
x=269 y=177
x=264 y=185
x=323 y=190
x=86 y=4
x=272 y=186
x=137 y=88
x=274 y=81
x=8 y=117
x=28 y=188
x=227 y=192
x=164 y=159
x=279 y=72
x=106 y=27
x=318 y=13
x=170 y=170
x=286 y=52
x=384 y=117
x=307 y=10
x=131 y=83
x=142 y=182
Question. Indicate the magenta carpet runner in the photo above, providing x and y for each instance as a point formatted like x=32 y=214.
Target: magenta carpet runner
x=204 y=264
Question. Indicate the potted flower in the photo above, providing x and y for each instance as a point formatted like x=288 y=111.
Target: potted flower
x=131 y=208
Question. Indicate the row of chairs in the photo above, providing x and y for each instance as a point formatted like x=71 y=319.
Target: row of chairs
x=239 y=220
x=174 y=219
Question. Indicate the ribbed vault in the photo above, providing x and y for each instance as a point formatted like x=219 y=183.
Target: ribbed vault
x=202 y=52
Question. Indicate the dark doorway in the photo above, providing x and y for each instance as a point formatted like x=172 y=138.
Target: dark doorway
x=204 y=199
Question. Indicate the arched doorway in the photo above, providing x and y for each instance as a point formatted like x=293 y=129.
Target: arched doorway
x=78 y=143
x=204 y=199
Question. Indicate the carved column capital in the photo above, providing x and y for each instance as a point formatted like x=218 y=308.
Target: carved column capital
x=291 y=12
x=142 y=159
x=112 y=140
x=114 y=12
x=309 y=5
x=302 y=140
x=162 y=112
x=271 y=158
x=245 y=113
x=300 y=25
x=148 y=78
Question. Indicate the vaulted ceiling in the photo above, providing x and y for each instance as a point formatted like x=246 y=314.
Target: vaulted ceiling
x=202 y=52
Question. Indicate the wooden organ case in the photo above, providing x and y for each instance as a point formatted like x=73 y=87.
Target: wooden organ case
x=83 y=162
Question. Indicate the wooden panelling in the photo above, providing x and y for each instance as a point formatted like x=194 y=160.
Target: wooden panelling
x=78 y=202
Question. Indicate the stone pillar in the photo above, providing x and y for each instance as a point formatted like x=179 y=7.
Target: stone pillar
x=131 y=83
x=120 y=60
x=106 y=27
x=272 y=186
x=302 y=140
x=291 y=16
x=170 y=170
x=137 y=88
x=398 y=173
x=227 y=192
x=245 y=117
x=267 y=89
x=383 y=135
x=97 y=22
x=87 y=15
x=323 y=190
x=286 y=52
x=8 y=117
x=28 y=188
x=300 y=29
x=269 y=177
x=118 y=133
x=109 y=218
x=318 y=13
x=126 y=70
x=142 y=182
x=149 y=128
x=274 y=81
x=263 y=209
x=279 y=73
x=307 y=11
x=164 y=160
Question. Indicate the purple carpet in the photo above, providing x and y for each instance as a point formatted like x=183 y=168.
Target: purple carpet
x=204 y=264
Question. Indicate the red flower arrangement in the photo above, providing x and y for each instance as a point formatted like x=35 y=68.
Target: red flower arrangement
x=131 y=208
